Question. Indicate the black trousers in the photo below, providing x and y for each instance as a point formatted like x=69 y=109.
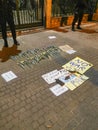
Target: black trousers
x=63 y=21
x=78 y=16
x=3 y=21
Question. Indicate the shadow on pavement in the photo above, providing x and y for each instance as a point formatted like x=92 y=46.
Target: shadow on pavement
x=93 y=75
x=60 y=30
x=88 y=31
x=7 y=52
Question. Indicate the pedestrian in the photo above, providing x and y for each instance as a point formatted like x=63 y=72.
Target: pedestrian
x=81 y=5
x=6 y=17
x=63 y=8
x=91 y=9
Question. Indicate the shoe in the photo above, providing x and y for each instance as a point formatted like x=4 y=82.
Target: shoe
x=16 y=43
x=73 y=29
x=79 y=27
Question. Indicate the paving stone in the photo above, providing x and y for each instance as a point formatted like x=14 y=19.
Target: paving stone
x=41 y=120
x=71 y=125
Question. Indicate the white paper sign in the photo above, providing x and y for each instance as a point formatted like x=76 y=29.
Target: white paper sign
x=50 y=77
x=65 y=48
x=71 y=51
x=58 y=89
x=53 y=75
x=63 y=72
x=8 y=76
x=52 y=37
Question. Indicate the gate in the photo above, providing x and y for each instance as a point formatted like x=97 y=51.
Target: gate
x=28 y=13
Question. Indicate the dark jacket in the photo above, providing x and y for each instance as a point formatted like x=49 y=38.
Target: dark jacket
x=62 y=4
x=6 y=7
x=81 y=5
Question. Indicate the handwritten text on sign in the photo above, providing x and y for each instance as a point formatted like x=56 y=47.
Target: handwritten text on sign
x=78 y=64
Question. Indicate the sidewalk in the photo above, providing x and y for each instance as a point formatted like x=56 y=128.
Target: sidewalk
x=26 y=103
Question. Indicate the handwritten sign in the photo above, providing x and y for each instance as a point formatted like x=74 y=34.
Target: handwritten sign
x=58 y=89
x=78 y=65
x=53 y=75
x=8 y=76
x=74 y=81
x=65 y=48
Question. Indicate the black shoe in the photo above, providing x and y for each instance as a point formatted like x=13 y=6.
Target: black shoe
x=73 y=29
x=16 y=43
x=79 y=27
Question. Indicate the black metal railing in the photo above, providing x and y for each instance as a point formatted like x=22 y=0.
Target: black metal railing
x=28 y=13
x=24 y=17
x=66 y=7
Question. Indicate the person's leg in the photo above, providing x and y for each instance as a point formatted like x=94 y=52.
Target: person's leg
x=80 y=20
x=12 y=28
x=90 y=16
x=4 y=31
x=62 y=21
x=74 y=21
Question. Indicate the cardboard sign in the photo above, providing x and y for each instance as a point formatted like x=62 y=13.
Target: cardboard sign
x=71 y=51
x=50 y=77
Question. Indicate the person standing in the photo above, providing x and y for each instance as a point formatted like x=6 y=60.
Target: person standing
x=81 y=5
x=6 y=16
x=91 y=9
x=63 y=4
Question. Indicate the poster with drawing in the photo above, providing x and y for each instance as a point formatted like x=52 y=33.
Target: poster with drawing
x=50 y=77
x=74 y=80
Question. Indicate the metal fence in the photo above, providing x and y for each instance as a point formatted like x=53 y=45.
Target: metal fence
x=28 y=13
x=66 y=7
x=26 y=17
